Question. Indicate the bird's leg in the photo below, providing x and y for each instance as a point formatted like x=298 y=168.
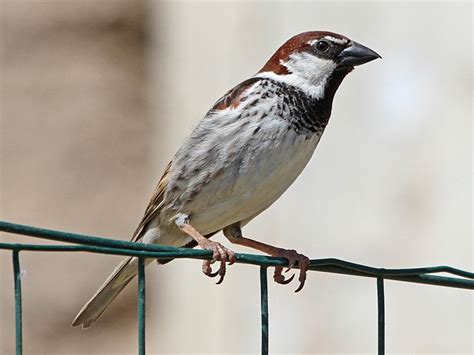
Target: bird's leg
x=234 y=234
x=219 y=252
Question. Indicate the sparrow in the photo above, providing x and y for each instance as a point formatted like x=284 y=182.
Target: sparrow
x=240 y=158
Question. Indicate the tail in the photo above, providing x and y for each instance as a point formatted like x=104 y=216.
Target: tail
x=114 y=284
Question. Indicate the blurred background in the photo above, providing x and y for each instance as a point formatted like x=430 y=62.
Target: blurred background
x=96 y=96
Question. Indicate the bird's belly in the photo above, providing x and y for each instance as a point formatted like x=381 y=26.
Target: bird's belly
x=243 y=190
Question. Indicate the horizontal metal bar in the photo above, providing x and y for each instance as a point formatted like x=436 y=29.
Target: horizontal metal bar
x=74 y=238
x=332 y=265
x=323 y=265
x=391 y=272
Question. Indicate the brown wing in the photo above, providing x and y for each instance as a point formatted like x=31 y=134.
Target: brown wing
x=234 y=96
x=231 y=99
x=154 y=205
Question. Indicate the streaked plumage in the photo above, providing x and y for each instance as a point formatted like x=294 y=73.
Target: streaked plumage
x=242 y=156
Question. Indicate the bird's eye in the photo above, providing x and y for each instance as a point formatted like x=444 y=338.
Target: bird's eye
x=322 y=46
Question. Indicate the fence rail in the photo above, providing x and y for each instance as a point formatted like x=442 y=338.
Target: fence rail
x=84 y=243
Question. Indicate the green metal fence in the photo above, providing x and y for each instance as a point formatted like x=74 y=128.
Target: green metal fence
x=458 y=279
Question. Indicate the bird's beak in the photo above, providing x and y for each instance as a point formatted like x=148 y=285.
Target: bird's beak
x=356 y=54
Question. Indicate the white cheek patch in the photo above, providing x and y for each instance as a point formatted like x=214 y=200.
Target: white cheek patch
x=309 y=72
x=309 y=66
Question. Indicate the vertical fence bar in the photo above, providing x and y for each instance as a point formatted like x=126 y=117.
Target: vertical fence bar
x=141 y=306
x=264 y=308
x=18 y=313
x=381 y=315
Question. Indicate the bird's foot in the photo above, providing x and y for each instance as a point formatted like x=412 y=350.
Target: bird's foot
x=219 y=253
x=293 y=259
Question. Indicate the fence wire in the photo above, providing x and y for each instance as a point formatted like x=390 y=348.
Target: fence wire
x=85 y=243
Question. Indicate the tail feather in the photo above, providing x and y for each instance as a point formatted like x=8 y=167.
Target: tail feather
x=114 y=284
x=120 y=278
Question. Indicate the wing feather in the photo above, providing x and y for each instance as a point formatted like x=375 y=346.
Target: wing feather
x=155 y=203
x=230 y=100
x=233 y=97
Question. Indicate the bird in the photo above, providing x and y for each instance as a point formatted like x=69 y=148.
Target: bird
x=240 y=158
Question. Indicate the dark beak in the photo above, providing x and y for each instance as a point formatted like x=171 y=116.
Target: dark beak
x=356 y=54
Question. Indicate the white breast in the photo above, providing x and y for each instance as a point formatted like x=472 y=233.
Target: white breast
x=258 y=176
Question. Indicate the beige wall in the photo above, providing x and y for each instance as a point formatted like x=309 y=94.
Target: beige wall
x=75 y=155
x=390 y=184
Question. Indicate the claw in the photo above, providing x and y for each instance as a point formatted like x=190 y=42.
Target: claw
x=300 y=287
x=293 y=258
x=221 y=254
x=304 y=266
x=220 y=280
x=286 y=282
x=279 y=278
x=207 y=270
x=213 y=274
x=221 y=272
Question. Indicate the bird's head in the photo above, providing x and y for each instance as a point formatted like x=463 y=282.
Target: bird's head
x=316 y=61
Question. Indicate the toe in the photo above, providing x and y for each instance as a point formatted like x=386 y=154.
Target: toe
x=279 y=278
x=287 y=281
x=293 y=258
x=231 y=256
x=222 y=253
x=216 y=254
x=206 y=267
